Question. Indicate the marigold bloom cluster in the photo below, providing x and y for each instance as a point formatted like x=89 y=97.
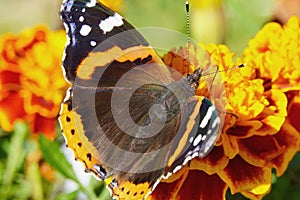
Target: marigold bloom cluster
x=31 y=81
x=260 y=132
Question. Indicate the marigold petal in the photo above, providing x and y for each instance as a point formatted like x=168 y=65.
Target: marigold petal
x=195 y=185
x=36 y=104
x=289 y=139
x=11 y=110
x=278 y=104
x=230 y=146
x=244 y=129
x=293 y=113
x=43 y=125
x=169 y=190
x=252 y=150
x=8 y=77
x=198 y=185
x=212 y=163
x=242 y=176
x=257 y=193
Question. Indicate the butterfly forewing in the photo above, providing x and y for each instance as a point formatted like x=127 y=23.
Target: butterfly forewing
x=82 y=21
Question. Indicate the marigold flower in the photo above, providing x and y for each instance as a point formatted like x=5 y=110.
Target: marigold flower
x=274 y=54
x=260 y=131
x=31 y=82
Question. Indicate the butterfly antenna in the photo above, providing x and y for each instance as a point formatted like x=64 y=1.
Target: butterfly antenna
x=187 y=8
x=225 y=70
x=210 y=89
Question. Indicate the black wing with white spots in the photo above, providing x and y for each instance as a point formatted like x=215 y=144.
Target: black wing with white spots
x=88 y=23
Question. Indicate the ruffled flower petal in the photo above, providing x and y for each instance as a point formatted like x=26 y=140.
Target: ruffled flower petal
x=193 y=184
x=32 y=85
x=242 y=176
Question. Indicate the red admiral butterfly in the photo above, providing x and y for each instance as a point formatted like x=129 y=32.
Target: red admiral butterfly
x=125 y=116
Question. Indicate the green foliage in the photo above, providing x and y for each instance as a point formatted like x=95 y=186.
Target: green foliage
x=52 y=154
x=67 y=196
x=20 y=175
x=13 y=153
x=240 y=20
x=287 y=186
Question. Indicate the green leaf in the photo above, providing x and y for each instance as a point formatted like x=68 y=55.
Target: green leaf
x=237 y=196
x=52 y=154
x=16 y=152
x=35 y=179
x=67 y=196
x=100 y=188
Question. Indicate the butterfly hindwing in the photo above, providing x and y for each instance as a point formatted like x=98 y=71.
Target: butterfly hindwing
x=204 y=125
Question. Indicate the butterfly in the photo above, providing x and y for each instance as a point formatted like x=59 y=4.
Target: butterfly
x=126 y=117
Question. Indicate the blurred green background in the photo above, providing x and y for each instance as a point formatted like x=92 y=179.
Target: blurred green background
x=231 y=22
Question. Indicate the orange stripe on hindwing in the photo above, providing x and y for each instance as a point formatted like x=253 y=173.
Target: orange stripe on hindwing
x=189 y=127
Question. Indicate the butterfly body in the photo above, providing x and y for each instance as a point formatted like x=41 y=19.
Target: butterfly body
x=125 y=116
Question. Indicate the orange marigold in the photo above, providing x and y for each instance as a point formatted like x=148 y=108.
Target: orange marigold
x=31 y=82
x=259 y=133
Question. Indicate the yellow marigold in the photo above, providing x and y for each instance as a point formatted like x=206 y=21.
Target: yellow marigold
x=274 y=54
x=257 y=135
x=31 y=82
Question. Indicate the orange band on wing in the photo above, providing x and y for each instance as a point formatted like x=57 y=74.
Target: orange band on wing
x=189 y=126
x=73 y=133
x=131 y=191
x=102 y=59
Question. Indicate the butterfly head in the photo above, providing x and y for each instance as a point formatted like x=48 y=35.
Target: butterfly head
x=194 y=78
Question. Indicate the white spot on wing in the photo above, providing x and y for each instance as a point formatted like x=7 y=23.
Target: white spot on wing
x=209 y=132
x=109 y=23
x=81 y=18
x=197 y=140
x=195 y=155
x=167 y=176
x=177 y=169
x=93 y=43
x=187 y=159
x=102 y=174
x=114 y=184
x=216 y=121
x=206 y=149
x=207 y=116
x=83 y=10
x=91 y=3
x=85 y=30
